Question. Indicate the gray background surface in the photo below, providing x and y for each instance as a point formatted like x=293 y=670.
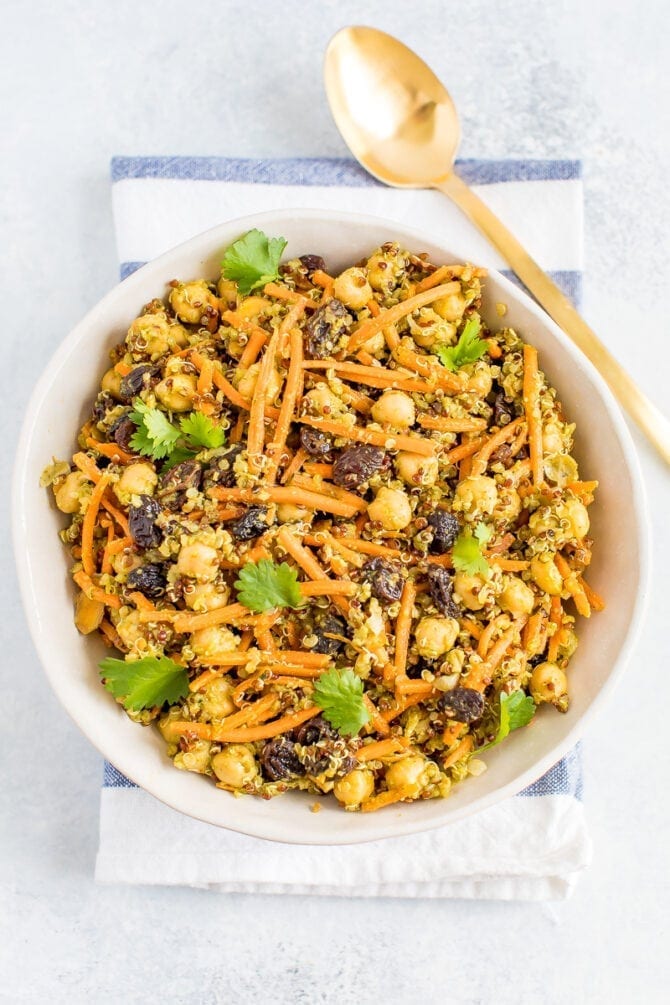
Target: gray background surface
x=82 y=81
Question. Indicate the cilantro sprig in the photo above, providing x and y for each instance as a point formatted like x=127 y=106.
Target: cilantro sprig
x=516 y=710
x=253 y=260
x=160 y=439
x=467 y=555
x=144 y=683
x=339 y=695
x=469 y=348
x=263 y=585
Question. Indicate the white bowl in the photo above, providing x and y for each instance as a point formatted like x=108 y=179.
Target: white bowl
x=61 y=402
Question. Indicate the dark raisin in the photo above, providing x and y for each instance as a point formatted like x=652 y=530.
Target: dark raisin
x=446 y=529
x=181 y=477
x=312 y=264
x=103 y=403
x=463 y=704
x=385 y=577
x=220 y=470
x=149 y=580
x=139 y=378
x=250 y=524
x=316 y=443
x=441 y=586
x=279 y=760
x=142 y=523
x=503 y=455
x=123 y=431
x=325 y=328
x=328 y=626
x=357 y=464
x=503 y=410
x=414 y=670
x=314 y=730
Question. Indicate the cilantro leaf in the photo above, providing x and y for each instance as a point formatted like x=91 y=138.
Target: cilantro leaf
x=200 y=431
x=253 y=260
x=339 y=694
x=155 y=435
x=467 y=554
x=178 y=455
x=516 y=710
x=145 y=683
x=468 y=349
x=263 y=585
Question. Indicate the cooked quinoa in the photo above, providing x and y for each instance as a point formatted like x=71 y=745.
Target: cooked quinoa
x=369 y=441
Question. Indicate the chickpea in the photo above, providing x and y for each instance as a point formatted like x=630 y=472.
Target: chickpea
x=322 y=401
x=211 y=643
x=546 y=575
x=177 y=392
x=508 y=506
x=352 y=288
x=450 y=307
x=386 y=268
x=435 y=636
x=87 y=613
x=249 y=379
x=227 y=290
x=375 y=344
x=68 y=495
x=130 y=629
x=467 y=588
x=578 y=516
x=480 y=380
x=111 y=382
x=194 y=759
x=137 y=480
x=560 y=468
x=188 y=301
x=549 y=683
x=235 y=766
x=552 y=441
x=252 y=307
x=516 y=597
x=355 y=787
x=206 y=596
x=198 y=561
x=415 y=469
x=476 y=495
x=217 y=699
x=149 y=334
x=391 y=509
x=290 y=513
x=409 y=772
x=394 y=408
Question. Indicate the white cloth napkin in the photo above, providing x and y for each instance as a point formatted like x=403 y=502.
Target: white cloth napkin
x=530 y=847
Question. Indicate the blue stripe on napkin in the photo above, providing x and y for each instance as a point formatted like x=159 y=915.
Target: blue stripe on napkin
x=566 y=777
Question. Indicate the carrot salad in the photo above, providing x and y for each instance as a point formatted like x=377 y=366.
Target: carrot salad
x=329 y=525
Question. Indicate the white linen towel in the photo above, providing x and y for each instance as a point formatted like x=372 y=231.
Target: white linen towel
x=530 y=847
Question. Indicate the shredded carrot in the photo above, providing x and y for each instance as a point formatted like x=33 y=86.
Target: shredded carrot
x=506 y=433
x=322 y=279
x=111 y=450
x=297 y=462
x=403 y=626
x=95 y=592
x=447 y=425
x=555 y=618
x=247 y=735
x=405 y=354
x=532 y=632
x=238 y=429
x=252 y=349
x=141 y=602
x=286 y=494
x=394 y=314
x=255 y=554
x=287 y=408
x=466 y=449
x=387 y=798
x=284 y=293
x=376 y=376
x=320 y=470
x=319 y=660
x=495 y=352
x=373 y=307
x=377 y=723
x=111 y=635
x=117 y=514
x=333 y=491
x=594 y=599
x=473 y=627
x=337 y=544
x=106 y=564
x=401 y=705
x=256 y=430
x=531 y=404
x=508 y=564
x=329 y=588
x=453 y=732
x=392 y=441
x=464 y=748
x=88 y=467
x=229 y=513
x=404 y=685
x=223 y=384
x=479 y=677
x=488 y=633
x=88 y=525
x=381 y=749
x=392 y=338
x=307 y=562
x=185 y=622
x=435 y=278
x=573 y=586
x=369 y=547
x=204 y=385
x=582 y=489
x=123 y=369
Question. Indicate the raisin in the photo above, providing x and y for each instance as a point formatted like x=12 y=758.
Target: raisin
x=279 y=760
x=312 y=264
x=357 y=464
x=463 y=704
x=316 y=443
x=221 y=468
x=441 y=586
x=313 y=730
x=142 y=523
x=251 y=524
x=329 y=625
x=123 y=431
x=385 y=577
x=149 y=580
x=139 y=378
x=503 y=410
x=181 y=477
x=503 y=455
x=325 y=328
x=103 y=403
x=446 y=529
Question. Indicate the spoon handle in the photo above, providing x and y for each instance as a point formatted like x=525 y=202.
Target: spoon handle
x=650 y=420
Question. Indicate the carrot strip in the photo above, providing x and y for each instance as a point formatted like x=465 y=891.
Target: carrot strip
x=444 y=272
x=250 y=733
x=582 y=488
x=290 y=656
x=404 y=685
x=238 y=429
x=204 y=385
x=572 y=584
x=283 y=293
x=88 y=467
x=95 y=592
x=495 y=352
x=452 y=733
x=407 y=356
x=111 y=635
x=447 y=425
x=322 y=470
x=329 y=588
x=594 y=599
x=88 y=525
x=387 y=798
x=403 y=626
x=373 y=307
x=255 y=554
x=508 y=564
x=465 y=449
x=473 y=627
x=184 y=622
x=480 y=676
x=378 y=724
x=531 y=406
x=333 y=491
x=286 y=494
x=391 y=441
x=251 y=351
x=141 y=602
x=401 y=705
x=111 y=450
x=225 y=513
x=256 y=430
x=307 y=562
x=481 y=458
x=532 y=631
x=382 y=748
x=487 y=635
x=287 y=408
x=555 y=618
x=223 y=384
x=464 y=747
x=368 y=547
x=322 y=279
x=376 y=376
x=394 y=314
x=297 y=462
x=123 y=369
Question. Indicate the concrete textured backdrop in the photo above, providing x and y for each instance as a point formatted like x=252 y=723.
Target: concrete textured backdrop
x=82 y=81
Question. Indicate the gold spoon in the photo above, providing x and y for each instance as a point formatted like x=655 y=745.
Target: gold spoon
x=401 y=125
